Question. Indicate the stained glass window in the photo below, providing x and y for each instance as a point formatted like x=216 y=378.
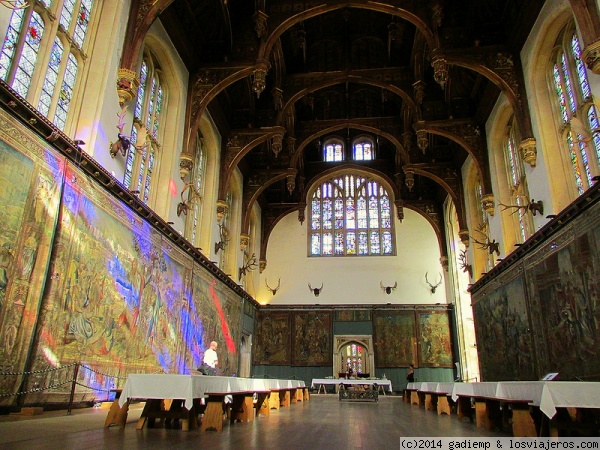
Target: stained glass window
x=20 y=59
x=353 y=355
x=363 y=150
x=350 y=215
x=195 y=194
x=333 y=151
x=141 y=157
x=579 y=117
x=517 y=184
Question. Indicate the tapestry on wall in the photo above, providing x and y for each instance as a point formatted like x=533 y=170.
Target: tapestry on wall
x=121 y=301
x=352 y=315
x=312 y=338
x=272 y=340
x=394 y=338
x=216 y=315
x=502 y=327
x=30 y=185
x=435 y=340
x=567 y=284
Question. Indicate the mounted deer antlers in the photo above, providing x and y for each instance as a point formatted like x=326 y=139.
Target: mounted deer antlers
x=184 y=206
x=388 y=289
x=315 y=291
x=533 y=206
x=433 y=288
x=123 y=142
x=223 y=233
x=491 y=246
x=464 y=263
x=273 y=291
x=249 y=265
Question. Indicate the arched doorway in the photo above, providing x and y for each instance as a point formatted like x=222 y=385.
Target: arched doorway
x=356 y=351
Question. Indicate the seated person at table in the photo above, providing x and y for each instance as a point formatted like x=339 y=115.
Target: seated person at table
x=210 y=360
x=410 y=376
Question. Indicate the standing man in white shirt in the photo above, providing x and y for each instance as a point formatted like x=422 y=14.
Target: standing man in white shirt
x=210 y=359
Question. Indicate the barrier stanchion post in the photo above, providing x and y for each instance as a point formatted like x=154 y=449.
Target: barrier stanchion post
x=73 y=388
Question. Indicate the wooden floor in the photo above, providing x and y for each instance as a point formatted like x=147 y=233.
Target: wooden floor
x=321 y=423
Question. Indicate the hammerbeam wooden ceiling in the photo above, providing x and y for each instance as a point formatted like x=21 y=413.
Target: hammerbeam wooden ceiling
x=281 y=76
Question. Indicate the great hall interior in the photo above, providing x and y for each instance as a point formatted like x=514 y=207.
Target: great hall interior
x=325 y=188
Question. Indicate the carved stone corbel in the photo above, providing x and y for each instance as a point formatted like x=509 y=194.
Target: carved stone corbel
x=464 y=237
x=591 y=56
x=528 y=151
x=487 y=203
x=127 y=85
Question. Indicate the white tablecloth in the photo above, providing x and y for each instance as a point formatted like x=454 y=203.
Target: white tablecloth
x=362 y=381
x=547 y=395
x=563 y=394
x=189 y=387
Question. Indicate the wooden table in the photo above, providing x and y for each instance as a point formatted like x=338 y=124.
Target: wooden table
x=322 y=383
x=182 y=397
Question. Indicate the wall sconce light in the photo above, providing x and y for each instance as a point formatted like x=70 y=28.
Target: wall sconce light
x=316 y=291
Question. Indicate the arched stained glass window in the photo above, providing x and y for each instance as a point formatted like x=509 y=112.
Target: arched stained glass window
x=350 y=216
x=333 y=151
x=196 y=190
x=517 y=183
x=20 y=49
x=23 y=66
x=354 y=359
x=141 y=157
x=578 y=114
x=363 y=150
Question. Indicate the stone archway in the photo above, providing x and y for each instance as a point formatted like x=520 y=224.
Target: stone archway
x=340 y=343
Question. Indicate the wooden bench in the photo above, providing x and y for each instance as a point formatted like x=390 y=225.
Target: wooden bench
x=117 y=415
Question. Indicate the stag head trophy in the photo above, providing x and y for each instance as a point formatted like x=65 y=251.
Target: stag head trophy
x=223 y=233
x=388 y=289
x=491 y=246
x=432 y=288
x=315 y=291
x=464 y=263
x=533 y=206
x=248 y=266
x=273 y=290
x=123 y=142
x=184 y=206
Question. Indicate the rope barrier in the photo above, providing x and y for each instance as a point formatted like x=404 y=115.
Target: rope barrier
x=56 y=385
x=37 y=389
x=53 y=369
x=101 y=373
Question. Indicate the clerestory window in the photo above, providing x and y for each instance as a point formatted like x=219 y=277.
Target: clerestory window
x=578 y=114
x=363 y=150
x=42 y=57
x=333 y=151
x=350 y=215
x=145 y=134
